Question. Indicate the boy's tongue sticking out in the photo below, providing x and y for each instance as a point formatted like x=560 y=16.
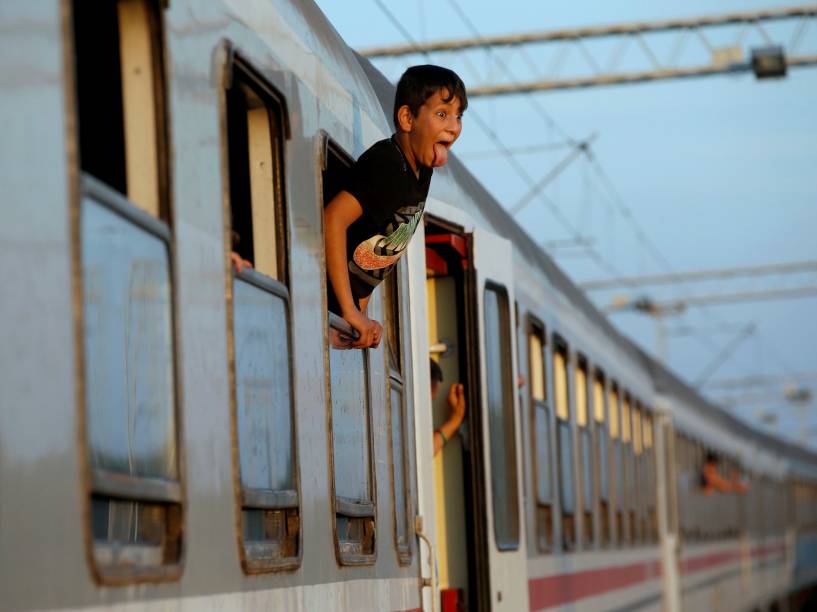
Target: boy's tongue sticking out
x=440 y=154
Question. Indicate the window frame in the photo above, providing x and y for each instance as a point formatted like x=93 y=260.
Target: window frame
x=601 y=431
x=395 y=376
x=505 y=314
x=160 y=62
x=84 y=184
x=569 y=540
x=639 y=472
x=629 y=464
x=337 y=504
x=584 y=437
x=547 y=509
x=105 y=482
x=617 y=482
x=269 y=92
x=266 y=499
x=648 y=422
x=238 y=66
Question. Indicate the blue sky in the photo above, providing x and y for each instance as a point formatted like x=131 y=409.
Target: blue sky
x=718 y=171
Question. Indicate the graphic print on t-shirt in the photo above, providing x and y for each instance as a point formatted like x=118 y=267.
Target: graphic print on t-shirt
x=372 y=258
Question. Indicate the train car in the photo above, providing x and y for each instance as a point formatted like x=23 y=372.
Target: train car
x=178 y=431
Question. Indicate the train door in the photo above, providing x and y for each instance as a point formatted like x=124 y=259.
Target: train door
x=479 y=526
x=493 y=272
x=668 y=524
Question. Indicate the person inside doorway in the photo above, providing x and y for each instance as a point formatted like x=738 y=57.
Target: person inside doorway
x=456 y=407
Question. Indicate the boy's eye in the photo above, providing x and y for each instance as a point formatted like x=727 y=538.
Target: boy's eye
x=441 y=114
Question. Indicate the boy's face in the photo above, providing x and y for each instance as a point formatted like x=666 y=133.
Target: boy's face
x=435 y=128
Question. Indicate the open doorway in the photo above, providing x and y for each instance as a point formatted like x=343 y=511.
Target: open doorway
x=458 y=474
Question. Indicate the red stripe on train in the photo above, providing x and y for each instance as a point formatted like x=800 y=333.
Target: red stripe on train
x=557 y=590
x=551 y=591
x=697 y=564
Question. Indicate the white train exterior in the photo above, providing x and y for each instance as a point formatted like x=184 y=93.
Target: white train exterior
x=174 y=436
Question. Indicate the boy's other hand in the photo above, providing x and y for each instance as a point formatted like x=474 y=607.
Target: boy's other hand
x=378 y=333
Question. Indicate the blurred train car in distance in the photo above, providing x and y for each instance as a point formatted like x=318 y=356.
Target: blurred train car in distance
x=179 y=435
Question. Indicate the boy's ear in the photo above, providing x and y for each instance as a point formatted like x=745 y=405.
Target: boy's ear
x=405 y=118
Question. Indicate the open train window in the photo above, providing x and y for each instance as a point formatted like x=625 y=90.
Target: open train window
x=261 y=355
x=120 y=99
x=585 y=451
x=601 y=455
x=398 y=416
x=128 y=329
x=352 y=467
x=617 y=464
x=541 y=420
x=256 y=130
x=499 y=395
x=564 y=441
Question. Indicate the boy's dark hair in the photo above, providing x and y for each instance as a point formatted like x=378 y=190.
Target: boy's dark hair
x=710 y=457
x=419 y=83
x=436 y=371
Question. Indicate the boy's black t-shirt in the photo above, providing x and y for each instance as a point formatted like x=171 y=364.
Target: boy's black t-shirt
x=393 y=199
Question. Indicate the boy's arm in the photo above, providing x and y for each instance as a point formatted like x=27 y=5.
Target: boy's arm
x=339 y=214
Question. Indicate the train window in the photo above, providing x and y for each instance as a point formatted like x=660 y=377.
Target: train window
x=256 y=116
x=585 y=454
x=351 y=452
x=261 y=352
x=601 y=456
x=564 y=441
x=638 y=476
x=130 y=388
x=626 y=420
x=135 y=502
x=617 y=465
x=651 y=529
x=682 y=478
x=120 y=98
x=398 y=417
x=499 y=390
x=627 y=475
x=542 y=455
x=354 y=507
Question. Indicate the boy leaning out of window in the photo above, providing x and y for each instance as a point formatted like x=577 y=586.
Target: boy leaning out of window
x=370 y=222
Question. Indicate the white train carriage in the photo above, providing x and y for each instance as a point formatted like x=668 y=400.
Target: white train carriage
x=175 y=435
x=168 y=438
